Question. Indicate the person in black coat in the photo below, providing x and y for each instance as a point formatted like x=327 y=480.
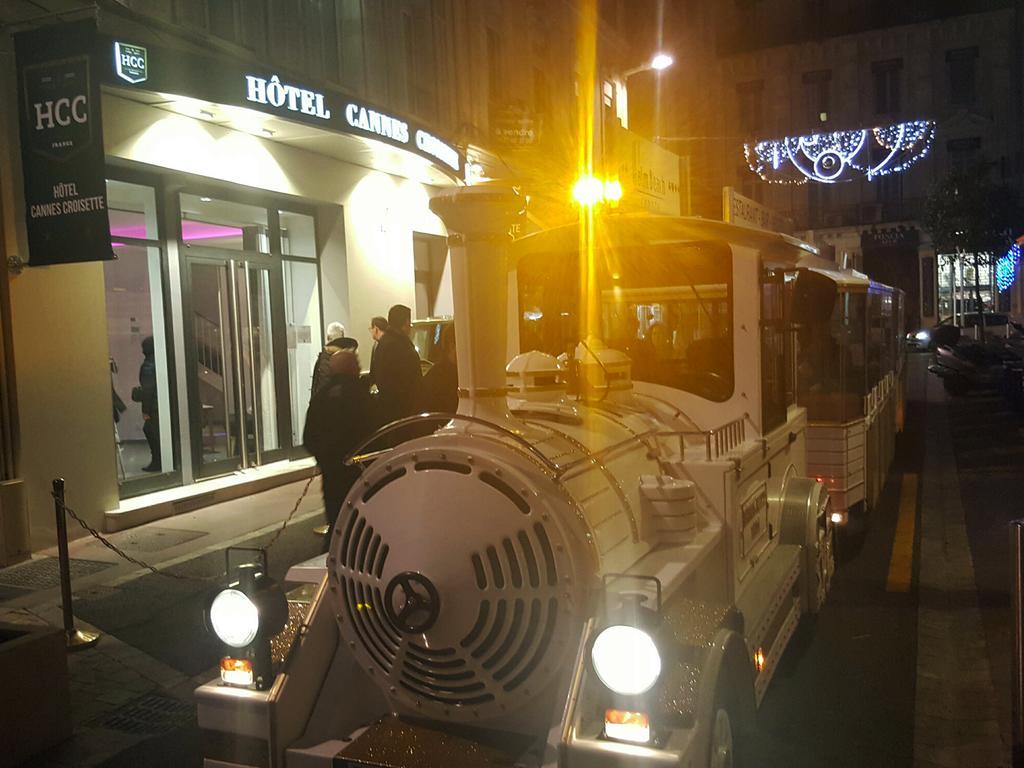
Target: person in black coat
x=397 y=368
x=341 y=415
x=147 y=396
x=336 y=339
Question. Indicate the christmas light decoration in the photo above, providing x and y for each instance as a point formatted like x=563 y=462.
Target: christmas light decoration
x=832 y=157
x=1006 y=268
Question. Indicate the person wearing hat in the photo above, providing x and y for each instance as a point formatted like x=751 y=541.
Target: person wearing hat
x=336 y=340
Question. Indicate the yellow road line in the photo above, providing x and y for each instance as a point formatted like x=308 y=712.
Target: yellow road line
x=901 y=564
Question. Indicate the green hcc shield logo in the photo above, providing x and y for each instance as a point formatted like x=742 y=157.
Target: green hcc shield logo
x=130 y=62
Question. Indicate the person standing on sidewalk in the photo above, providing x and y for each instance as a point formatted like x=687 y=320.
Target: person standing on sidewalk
x=146 y=396
x=397 y=368
x=378 y=325
x=340 y=416
x=336 y=340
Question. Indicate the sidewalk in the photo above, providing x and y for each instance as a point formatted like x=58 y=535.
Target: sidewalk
x=956 y=711
x=121 y=693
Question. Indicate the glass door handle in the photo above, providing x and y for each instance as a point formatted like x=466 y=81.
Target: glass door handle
x=256 y=402
x=236 y=334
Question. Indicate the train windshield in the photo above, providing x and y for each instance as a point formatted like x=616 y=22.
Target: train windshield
x=834 y=360
x=667 y=306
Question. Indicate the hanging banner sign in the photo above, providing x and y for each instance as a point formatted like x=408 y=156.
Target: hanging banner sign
x=62 y=145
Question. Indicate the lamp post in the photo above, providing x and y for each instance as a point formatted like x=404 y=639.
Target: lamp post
x=658 y=63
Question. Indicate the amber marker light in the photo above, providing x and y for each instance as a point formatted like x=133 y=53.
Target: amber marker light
x=622 y=725
x=759 y=659
x=236 y=671
x=613 y=190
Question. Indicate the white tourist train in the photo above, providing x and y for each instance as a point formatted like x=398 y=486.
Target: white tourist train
x=601 y=559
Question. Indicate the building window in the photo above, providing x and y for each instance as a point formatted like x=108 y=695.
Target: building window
x=351 y=39
x=541 y=93
x=817 y=95
x=962 y=66
x=750 y=105
x=223 y=19
x=430 y=253
x=963 y=153
x=493 y=65
x=138 y=337
x=887 y=85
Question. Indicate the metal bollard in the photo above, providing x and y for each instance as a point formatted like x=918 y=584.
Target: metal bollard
x=76 y=639
x=1017 y=569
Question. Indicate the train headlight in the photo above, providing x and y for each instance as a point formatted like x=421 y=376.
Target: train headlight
x=626 y=660
x=245 y=615
x=234 y=618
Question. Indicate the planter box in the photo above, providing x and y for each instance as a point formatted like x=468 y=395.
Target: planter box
x=35 y=707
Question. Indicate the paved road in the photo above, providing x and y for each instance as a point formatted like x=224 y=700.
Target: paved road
x=844 y=693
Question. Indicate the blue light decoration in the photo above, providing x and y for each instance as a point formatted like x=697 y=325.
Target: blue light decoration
x=829 y=158
x=1006 y=268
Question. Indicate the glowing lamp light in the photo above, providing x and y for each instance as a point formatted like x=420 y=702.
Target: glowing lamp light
x=626 y=660
x=613 y=190
x=759 y=659
x=588 y=190
x=661 y=61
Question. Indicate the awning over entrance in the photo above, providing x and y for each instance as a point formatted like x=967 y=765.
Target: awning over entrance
x=277 y=108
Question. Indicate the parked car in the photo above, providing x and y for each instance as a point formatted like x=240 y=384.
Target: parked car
x=995 y=327
x=426 y=337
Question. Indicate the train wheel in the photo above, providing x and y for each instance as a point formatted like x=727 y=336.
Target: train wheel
x=821 y=560
x=807 y=521
x=723 y=748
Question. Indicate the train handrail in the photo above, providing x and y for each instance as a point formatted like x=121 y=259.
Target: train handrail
x=725 y=438
x=355 y=457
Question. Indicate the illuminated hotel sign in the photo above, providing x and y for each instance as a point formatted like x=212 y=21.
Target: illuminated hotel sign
x=131 y=62
x=380 y=124
x=385 y=126
x=217 y=81
x=290 y=97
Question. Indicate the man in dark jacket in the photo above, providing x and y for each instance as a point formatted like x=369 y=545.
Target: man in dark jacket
x=378 y=325
x=340 y=417
x=397 y=368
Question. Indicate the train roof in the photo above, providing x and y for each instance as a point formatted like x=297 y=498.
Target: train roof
x=848 y=280
x=634 y=230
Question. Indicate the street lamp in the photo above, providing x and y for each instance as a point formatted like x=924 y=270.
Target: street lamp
x=659 y=62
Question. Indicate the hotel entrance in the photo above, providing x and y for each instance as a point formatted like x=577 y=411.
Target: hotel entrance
x=247 y=355
x=213 y=328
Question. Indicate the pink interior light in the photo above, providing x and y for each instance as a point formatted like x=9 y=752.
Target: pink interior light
x=190 y=230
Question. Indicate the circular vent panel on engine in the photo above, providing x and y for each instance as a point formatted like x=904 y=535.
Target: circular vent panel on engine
x=455 y=581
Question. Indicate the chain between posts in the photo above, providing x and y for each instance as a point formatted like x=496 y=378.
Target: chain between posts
x=146 y=566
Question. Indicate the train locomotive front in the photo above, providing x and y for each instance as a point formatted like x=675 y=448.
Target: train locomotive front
x=550 y=580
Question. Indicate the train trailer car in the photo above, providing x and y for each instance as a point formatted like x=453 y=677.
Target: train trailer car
x=585 y=569
x=850 y=378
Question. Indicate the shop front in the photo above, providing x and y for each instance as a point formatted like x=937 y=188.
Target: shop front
x=246 y=212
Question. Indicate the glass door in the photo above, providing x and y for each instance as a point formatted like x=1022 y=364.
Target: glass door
x=236 y=405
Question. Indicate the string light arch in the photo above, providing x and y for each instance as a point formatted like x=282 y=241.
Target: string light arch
x=828 y=158
x=1007 y=267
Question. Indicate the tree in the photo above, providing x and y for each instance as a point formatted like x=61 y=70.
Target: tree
x=967 y=214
